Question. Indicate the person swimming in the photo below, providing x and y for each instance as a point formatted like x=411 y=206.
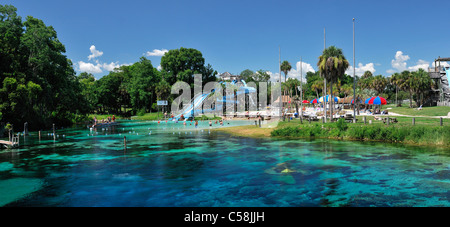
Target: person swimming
x=210 y=123
x=196 y=124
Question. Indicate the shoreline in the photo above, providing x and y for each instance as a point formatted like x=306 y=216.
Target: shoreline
x=326 y=133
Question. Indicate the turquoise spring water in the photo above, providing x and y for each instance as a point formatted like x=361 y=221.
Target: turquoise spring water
x=170 y=164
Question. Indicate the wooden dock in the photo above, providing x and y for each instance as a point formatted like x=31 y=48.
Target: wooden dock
x=11 y=144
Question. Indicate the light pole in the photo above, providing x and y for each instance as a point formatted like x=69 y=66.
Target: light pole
x=279 y=67
x=324 y=83
x=354 y=76
x=301 y=88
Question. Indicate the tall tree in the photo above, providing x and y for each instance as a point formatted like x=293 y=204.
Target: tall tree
x=285 y=68
x=396 y=80
x=379 y=84
x=38 y=83
x=316 y=86
x=182 y=64
x=332 y=65
x=407 y=84
x=143 y=82
x=422 y=85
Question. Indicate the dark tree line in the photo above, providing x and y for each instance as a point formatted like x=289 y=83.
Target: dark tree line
x=38 y=84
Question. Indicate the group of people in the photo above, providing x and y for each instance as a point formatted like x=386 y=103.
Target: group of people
x=109 y=119
x=376 y=111
x=221 y=122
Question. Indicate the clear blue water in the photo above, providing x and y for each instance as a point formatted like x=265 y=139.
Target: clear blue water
x=183 y=166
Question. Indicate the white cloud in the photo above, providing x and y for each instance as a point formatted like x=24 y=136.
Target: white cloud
x=94 y=53
x=98 y=66
x=111 y=66
x=399 y=64
x=275 y=77
x=159 y=68
x=420 y=64
x=295 y=73
x=443 y=64
x=89 y=67
x=359 y=71
x=156 y=52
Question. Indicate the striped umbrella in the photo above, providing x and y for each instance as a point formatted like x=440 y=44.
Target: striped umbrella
x=336 y=99
x=314 y=101
x=305 y=101
x=376 y=101
x=353 y=101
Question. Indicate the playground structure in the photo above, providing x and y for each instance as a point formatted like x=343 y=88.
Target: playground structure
x=441 y=76
x=195 y=107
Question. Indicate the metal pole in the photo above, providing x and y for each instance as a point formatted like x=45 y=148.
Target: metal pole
x=279 y=67
x=354 y=76
x=324 y=84
x=301 y=87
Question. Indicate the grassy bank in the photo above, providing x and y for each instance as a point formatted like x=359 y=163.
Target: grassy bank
x=404 y=133
x=149 y=116
x=426 y=131
x=426 y=111
x=247 y=131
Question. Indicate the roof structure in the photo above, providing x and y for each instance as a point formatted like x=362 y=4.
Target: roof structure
x=442 y=59
x=225 y=74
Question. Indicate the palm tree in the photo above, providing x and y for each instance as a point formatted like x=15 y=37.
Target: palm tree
x=347 y=89
x=407 y=84
x=285 y=67
x=396 y=80
x=379 y=84
x=422 y=84
x=332 y=65
x=317 y=85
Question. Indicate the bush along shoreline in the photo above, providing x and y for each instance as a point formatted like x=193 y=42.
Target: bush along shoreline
x=418 y=135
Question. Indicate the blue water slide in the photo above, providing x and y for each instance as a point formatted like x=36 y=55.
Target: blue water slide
x=447 y=71
x=198 y=100
x=189 y=110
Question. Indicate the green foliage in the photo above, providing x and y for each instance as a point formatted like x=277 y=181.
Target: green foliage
x=423 y=135
x=141 y=112
x=285 y=68
x=37 y=81
x=341 y=124
x=140 y=85
x=181 y=64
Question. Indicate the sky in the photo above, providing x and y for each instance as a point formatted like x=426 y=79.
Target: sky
x=390 y=36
